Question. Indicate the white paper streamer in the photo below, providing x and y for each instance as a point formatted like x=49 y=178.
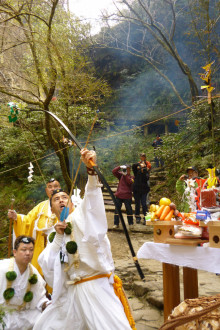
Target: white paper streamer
x=31 y=171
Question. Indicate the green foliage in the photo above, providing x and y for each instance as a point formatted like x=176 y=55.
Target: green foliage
x=204 y=27
x=2 y=315
x=52 y=72
x=193 y=145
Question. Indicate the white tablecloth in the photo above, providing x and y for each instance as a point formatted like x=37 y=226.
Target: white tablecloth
x=203 y=258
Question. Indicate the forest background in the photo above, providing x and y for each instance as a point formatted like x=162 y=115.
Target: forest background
x=141 y=71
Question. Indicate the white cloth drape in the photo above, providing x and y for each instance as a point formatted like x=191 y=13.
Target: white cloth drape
x=203 y=258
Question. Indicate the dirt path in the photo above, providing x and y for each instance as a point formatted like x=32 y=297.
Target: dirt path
x=147 y=316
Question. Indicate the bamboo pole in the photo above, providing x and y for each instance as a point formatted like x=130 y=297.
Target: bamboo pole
x=10 y=230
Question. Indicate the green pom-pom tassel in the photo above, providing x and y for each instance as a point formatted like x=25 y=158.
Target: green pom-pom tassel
x=9 y=293
x=51 y=236
x=71 y=247
x=11 y=276
x=28 y=296
x=33 y=279
x=68 y=229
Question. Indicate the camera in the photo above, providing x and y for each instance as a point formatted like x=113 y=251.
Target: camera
x=123 y=169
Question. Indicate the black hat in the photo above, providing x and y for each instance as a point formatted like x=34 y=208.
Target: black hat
x=56 y=191
x=192 y=168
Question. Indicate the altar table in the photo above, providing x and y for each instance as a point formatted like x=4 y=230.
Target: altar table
x=190 y=258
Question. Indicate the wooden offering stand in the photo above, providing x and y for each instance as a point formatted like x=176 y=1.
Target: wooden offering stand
x=214 y=232
x=164 y=233
x=163 y=230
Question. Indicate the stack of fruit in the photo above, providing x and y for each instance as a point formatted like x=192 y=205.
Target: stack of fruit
x=165 y=211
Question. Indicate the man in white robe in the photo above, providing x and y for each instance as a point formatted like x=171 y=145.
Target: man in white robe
x=18 y=314
x=83 y=294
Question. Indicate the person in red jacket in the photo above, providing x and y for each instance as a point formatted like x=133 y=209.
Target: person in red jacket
x=124 y=193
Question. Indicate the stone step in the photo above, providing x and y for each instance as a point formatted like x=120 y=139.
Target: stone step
x=111 y=208
x=110 y=201
x=158 y=169
x=156 y=177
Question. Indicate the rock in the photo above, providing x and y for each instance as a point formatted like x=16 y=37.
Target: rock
x=155 y=298
x=137 y=315
x=127 y=286
x=135 y=304
x=151 y=315
x=140 y=288
x=144 y=326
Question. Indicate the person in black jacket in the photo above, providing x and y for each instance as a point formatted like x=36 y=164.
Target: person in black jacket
x=141 y=186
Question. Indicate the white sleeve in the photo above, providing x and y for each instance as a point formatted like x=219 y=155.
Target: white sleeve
x=92 y=213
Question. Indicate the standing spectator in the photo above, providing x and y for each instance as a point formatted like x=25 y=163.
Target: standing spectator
x=141 y=186
x=124 y=193
x=157 y=143
x=189 y=186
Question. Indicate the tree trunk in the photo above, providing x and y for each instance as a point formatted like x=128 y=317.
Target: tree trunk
x=63 y=157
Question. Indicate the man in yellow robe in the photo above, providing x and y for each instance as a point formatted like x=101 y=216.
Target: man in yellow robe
x=37 y=223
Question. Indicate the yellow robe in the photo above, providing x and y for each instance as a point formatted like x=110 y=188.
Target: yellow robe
x=32 y=224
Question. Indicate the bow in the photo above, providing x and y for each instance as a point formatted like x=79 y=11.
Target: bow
x=105 y=183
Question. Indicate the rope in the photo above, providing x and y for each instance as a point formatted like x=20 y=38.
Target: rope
x=112 y=135
x=33 y=155
x=153 y=121
x=120 y=293
x=52 y=153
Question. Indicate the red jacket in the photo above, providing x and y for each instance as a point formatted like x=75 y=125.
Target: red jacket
x=124 y=190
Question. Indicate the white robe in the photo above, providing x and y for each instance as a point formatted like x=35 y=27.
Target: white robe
x=23 y=319
x=91 y=305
